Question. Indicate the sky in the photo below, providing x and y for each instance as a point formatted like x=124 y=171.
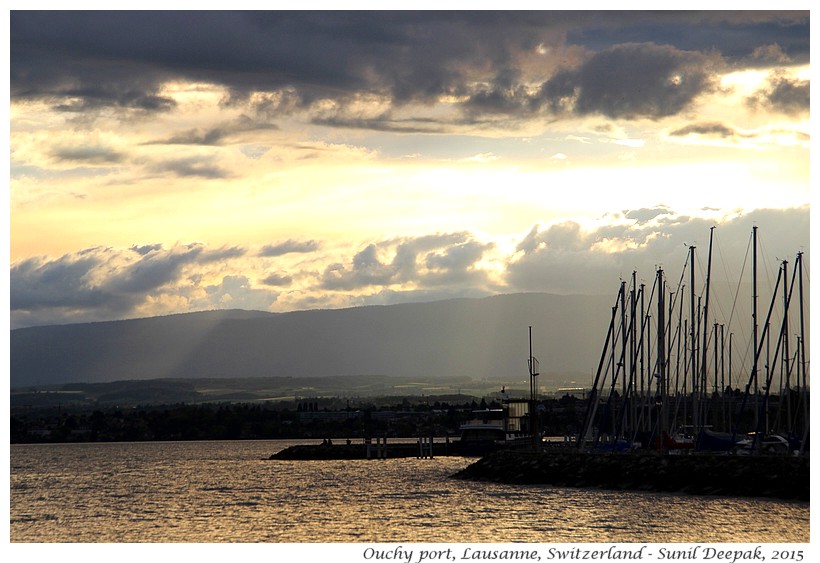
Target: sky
x=166 y=162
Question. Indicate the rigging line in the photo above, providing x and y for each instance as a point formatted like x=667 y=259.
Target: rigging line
x=757 y=354
x=807 y=269
x=770 y=374
x=717 y=302
x=677 y=294
x=702 y=273
x=644 y=322
x=679 y=288
x=766 y=261
x=744 y=359
x=593 y=403
x=739 y=281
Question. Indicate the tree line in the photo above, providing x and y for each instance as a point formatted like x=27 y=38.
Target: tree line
x=256 y=421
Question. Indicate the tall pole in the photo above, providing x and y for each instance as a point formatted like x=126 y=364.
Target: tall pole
x=715 y=382
x=722 y=378
x=661 y=353
x=731 y=389
x=731 y=335
x=692 y=333
x=706 y=310
x=754 y=313
x=633 y=350
x=692 y=354
x=592 y=403
x=757 y=351
x=669 y=339
x=685 y=368
x=701 y=384
x=805 y=390
x=784 y=335
x=677 y=370
x=624 y=337
x=643 y=358
x=715 y=395
x=529 y=363
x=533 y=396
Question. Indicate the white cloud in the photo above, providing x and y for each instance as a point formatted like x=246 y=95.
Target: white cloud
x=104 y=283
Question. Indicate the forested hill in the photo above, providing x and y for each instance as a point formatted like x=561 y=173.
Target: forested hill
x=477 y=338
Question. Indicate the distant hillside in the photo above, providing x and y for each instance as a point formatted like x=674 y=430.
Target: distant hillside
x=334 y=392
x=475 y=338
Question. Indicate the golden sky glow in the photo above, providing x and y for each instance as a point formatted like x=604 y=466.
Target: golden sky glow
x=450 y=176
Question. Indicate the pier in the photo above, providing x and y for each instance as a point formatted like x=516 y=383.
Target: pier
x=785 y=477
x=380 y=448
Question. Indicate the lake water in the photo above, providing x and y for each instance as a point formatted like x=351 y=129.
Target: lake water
x=231 y=492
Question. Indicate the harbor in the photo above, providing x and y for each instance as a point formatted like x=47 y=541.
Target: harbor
x=665 y=411
x=784 y=477
x=771 y=475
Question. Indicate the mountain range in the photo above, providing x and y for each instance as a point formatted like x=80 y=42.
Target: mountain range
x=476 y=338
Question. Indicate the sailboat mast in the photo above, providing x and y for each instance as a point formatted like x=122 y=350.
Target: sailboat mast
x=692 y=333
x=754 y=306
x=529 y=365
x=661 y=360
x=722 y=394
x=805 y=390
x=643 y=358
x=784 y=335
x=706 y=313
x=633 y=351
x=533 y=369
x=715 y=395
x=592 y=403
x=624 y=337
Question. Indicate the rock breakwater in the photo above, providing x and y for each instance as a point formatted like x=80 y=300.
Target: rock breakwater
x=360 y=451
x=727 y=475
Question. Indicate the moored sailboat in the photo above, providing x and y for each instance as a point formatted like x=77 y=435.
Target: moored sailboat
x=687 y=389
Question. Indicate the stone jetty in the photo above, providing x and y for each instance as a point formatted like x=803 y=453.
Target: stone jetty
x=364 y=451
x=784 y=477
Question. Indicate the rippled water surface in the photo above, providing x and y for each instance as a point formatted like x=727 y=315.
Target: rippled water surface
x=231 y=492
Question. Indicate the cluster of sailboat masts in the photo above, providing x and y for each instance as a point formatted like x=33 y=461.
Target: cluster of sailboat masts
x=669 y=383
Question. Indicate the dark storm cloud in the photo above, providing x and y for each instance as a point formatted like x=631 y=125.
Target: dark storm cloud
x=742 y=37
x=88 y=155
x=102 y=282
x=626 y=81
x=36 y=284
x=289 y=246
x=154 y=269
x=216 y=135
x=711 y=129
x=90 y=55
x=158 y=267
x=784 y=95
x=277 y=280
x=637 y=64
x=198 y=167
x=631 y=81
x=82 y=100
x=382 y=123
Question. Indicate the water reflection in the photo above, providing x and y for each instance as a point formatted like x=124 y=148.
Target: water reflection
x=230 y=492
